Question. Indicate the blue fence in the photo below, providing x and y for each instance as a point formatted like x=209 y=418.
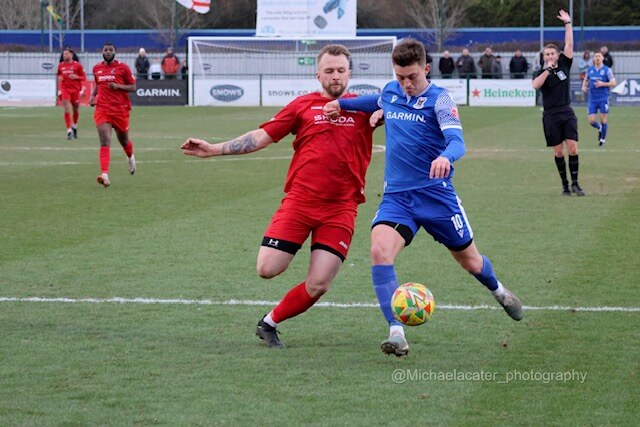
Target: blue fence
x=93 y=39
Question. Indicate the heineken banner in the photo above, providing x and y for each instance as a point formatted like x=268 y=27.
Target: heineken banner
x=501 y=93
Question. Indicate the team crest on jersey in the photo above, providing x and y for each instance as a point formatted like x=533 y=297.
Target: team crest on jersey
x=561 y=75
x=420 y=102
x=454 y=112
x=394 y=98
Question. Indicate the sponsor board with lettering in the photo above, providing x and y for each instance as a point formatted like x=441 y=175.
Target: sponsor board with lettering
x=501 y=93
x=160 y=92
x=27 y=92
x=236 y=93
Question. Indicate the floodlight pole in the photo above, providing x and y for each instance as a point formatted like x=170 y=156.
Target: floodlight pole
x=541 y=24
x=82 y=26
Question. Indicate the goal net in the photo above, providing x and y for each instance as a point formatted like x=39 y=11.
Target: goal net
x=254 y=71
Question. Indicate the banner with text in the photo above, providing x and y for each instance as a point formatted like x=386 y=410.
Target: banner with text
x=27 y=92
x=501 y=93
x=232 y=92
x=304 y=18
x=160 y=92
x=457 y=89
x=277 y=93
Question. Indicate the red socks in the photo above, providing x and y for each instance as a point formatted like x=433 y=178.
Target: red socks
x=295 y=302
x=76 y=114
x=128 y=149
x=67 y=120
x=105 y=157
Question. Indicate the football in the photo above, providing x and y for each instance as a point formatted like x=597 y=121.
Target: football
x=412 y=304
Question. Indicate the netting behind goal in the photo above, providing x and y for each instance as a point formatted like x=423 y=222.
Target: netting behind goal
x=272 y=71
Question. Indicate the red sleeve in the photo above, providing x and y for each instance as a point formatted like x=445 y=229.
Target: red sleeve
x=283 y=123
x=128 y=77
x=59 y=72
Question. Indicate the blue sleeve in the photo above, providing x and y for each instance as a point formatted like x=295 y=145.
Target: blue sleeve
x=455 y=144
x=451 y=127
x=366 y=103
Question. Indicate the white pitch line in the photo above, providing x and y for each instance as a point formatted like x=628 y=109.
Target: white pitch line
x=179 y=301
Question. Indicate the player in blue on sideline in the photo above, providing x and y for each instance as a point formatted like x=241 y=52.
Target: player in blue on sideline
x=423 y=140
x=597 y=83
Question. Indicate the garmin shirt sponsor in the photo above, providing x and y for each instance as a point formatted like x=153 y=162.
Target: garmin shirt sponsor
x=226 y=93
x=400 y=115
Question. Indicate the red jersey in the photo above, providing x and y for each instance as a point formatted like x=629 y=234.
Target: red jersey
x=112 y=99
x=331 y=156
x=65 y=69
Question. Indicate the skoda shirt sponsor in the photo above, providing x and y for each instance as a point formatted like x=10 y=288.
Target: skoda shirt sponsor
x=226 y=93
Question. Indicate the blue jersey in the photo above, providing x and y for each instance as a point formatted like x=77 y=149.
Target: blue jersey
x=418 y=130
x=603 y=74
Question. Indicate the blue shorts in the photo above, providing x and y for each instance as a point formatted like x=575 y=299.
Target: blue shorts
x=602 y=106
x=437 y=209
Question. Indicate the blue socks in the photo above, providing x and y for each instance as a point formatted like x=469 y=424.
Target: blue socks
x=384 y=284
x=603 y=130
x=487 y=277
x=596 y=125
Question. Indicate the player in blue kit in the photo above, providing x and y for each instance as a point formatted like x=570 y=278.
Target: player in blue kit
x=597 y=83
x=423 y=140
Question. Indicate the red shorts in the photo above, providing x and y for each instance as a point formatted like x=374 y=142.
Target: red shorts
x=331 y=226
x=119 y=120
x=71 y=96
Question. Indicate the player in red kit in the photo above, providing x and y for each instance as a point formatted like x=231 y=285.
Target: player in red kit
x=324 y=185
x=71 y=75
x=113 y=82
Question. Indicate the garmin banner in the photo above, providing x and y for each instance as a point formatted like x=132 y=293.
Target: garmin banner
x=303 y=18
x=160 y=92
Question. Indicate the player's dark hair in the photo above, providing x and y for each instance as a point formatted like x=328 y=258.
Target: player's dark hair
x=335 y=50
x=552 y=46
x=408 y=52
x=110 y=44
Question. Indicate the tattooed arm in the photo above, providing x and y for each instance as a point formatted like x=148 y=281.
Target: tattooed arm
x=248 y=143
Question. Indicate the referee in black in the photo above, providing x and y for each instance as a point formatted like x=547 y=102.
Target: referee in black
x=558 y=120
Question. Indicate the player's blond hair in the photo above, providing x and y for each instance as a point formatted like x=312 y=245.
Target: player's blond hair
x=334 y=50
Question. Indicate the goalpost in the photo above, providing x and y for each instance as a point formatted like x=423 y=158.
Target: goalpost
x=263 y=71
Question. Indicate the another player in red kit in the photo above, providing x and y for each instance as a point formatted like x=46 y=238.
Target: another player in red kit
x=113 y=82
x=324 y=186
x=71 y=75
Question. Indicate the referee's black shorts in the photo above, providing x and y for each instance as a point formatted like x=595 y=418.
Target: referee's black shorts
x=559 y=124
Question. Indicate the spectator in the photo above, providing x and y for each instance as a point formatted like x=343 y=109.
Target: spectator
x=170 y=65
x=584 y=63
x=142 y=65
x=429 y=61
x=486 y=62
x=496 y=68
x=608 y=60
x=465 y=65
x=74 y=56
x=155 y=70
x=446 y=65
x=184 y=70
x=518 y=66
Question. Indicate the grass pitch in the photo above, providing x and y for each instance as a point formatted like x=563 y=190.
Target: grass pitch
x=189 y=229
